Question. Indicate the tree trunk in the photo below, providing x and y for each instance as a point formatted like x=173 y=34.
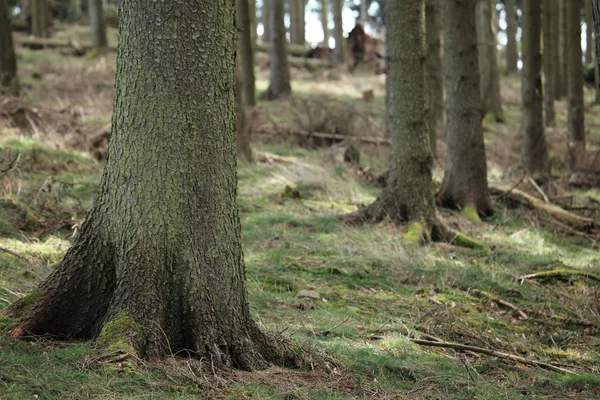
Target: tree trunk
x=325 y=21
x=589 y=33
x=242 y=144
x=596 y=80
x=576 y=122
x=39 y=18
x=408 y=196
x=298 y=10
x=246 y=51
x=596 y=15
x=97 y=24
x=562 y=46
x=555 y=53
x=534 y=153
x=157 y=268
x=512 y=57
x=252 y=12
x=363 y=12
x=280 y=73
x=266 y=20
x=488 y=62
x=338 y=32
x=465 y=179
x=435 y=71
x=9 y=83
x=549 y=21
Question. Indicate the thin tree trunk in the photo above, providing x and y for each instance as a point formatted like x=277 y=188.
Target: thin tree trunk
x=589 y=33
x=596 y=80
x=596 y=18
x=512 y=56
x=338 y=32
x=39 y=18
x=488 y=62
x=157 y=268
x=534 y=152
x=563 y=45
x=325 y=21
x=465 y=179
x=246 y=51
x=363 y=12
x=242 y=144
x=280 y=73
x=576 y=122
x=266 y=20
x=252 y=12
x=555 y=52
x=549 y=18
x=9 y=83
x=435 y=71
x=97 y=24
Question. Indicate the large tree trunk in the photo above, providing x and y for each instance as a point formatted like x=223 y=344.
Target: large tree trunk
x=157 y=267
x=246 y=51
x=576 y=122
x=465 y=179
x=97 y=24
x=408 y=196
x=325 y=21
x=488 y=61
x=512 y=57
x=534 y=153
x=39 y=18
x=589 y=32
x=266 y=20
x=338 y=32
x=435 y=70
x=562 y=46
x=550 y=51
x=9 y=83
x=280 y=72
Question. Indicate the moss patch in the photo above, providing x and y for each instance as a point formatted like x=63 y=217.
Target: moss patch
x=22 y=307
x=117 y=333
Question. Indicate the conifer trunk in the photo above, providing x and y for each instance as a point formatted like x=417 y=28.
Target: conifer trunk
x=488 y=62
x=435 y=70
x=576 y=123
x=97 y=25
x=325 y=21
x=563 y=52
x=279 y=85
x=266 y=20
x=9 y=83
x=246 y=52
x=589 y=32
x=512 y=56
x=549 y=22
x=338 y=32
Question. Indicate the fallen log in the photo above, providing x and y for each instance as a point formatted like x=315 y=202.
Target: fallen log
x=335 y=136
x=44 y=43
x=561 y=273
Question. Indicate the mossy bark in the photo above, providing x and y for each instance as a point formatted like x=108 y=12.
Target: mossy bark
x=246 y=52
x=512 y=56
x=549 y=27
x=534 y=154
x=97 y=25
x=162 y=243
x=338 y=31
x=435 y=70
x=9 y=83
x=279 y=81
x=465 y=178
x=576 y=118
x=487 y=33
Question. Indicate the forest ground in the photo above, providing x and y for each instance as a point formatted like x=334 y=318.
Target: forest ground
x=354 y=296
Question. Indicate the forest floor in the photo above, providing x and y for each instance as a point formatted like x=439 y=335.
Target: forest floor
x=357 y=295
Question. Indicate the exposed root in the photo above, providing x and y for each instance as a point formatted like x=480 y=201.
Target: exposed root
x=561 y=273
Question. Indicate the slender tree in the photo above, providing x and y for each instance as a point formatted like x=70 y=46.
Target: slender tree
x=252 y=12
x=435 y=70
x=562 y=46
x=596 y=22
x=338 y=32
x=266 y=20
x=488 y=59
x=589 y=32
x=555 y=51
x=298 y=23
x=363 y=12
x=325 y=21
x=550 y=51
x=97 y=25
x=280 y=73
x=576 y=123
x=465 y=179
x=39 y=18
x=157 y=267
x=246 y=51
x=408 y=196
x=512 y=56
x=534 y=153
x=9 y=83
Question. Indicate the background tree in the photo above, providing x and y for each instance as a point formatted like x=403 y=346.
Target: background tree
x=158 y=262
x=512 y=57
x=576 y=122
x=246 y=51
x=297 y=21
x=97 y=25
x=534 y=153
x=338 y=32
x=487 y=34
x=39 y=18
x=465 y=178
x=266 y=20
x=562 y=47
x=549 y=54
x=242 y=144
x=555 y=52
x=9 y=83
x=408 y=196
x=589 y=32
x=280 y=73
x=325 y=21
x=363 y=12
x=435 y=70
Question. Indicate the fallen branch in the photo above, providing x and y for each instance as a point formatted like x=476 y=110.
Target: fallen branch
x=493 y=353
x=328 y=331
x=17 y=255
x=498 y=300
x=561 y=273
x=538 y=188
x=336 y=136
x=535 y=203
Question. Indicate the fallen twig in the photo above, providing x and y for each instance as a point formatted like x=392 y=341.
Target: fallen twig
x=12 y=253
x=328 y=331
x=498 y=300
x=493 y=353
x=539 y=189
x=561 y=273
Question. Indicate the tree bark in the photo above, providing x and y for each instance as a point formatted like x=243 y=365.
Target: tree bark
x=512 y=57
x=488 y=61
x=408 y=196
x=266 y=20
x=325 y=21
x=246 y=52
x=549 y=53
x=9 y=83
x=242 y=144
x=589 y=33
x=298 y=24
x=435 y=71
x=97 y=25
x=157 y=268
x=534 y=153
x=39 y=18
x=280 y=73
x=252 y=12
x=338 y=32
x=465 y=179
x=363 y=12
x=563 y=46
x=576 y=122
x=555 y=53
x=596 y=18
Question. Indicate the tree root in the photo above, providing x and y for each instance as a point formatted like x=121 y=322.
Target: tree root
x=561 y=273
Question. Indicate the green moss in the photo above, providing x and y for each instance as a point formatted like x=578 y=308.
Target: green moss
x=470 y=213
x=416 y=234
x=25 y=305
x=494 y=116
x=460 y=239
x=116 y=333
x=6 y=322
